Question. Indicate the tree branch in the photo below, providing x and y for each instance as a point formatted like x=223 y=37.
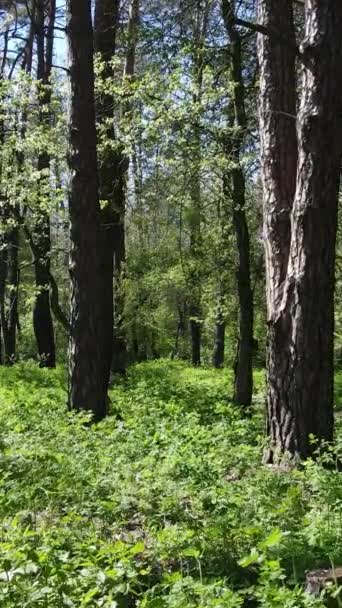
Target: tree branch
x=261 y=29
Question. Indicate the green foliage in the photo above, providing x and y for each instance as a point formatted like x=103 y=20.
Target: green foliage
x=164 y=504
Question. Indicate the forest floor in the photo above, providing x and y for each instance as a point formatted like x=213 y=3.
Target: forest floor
x=163 y=505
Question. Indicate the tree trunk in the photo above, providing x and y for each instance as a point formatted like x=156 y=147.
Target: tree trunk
x=9 y=246
x=88 y=361
x=3 y=279
x=301 y=277
x=243 y=386
x=277 y=115
x=218 y=355
x=195 y=253
x=106 y=16
x=41 y=239
x=113 y=169
x=113 y=166
x=12 y=293
x=119 y=359
x=9 y=281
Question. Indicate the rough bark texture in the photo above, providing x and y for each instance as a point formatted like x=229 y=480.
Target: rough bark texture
x=243 y=386
x=277 y=112
x=277 y=115
x=300 y=271
x=88 y=363
x=41 y=239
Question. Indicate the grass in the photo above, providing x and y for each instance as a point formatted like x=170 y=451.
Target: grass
x=163 y=505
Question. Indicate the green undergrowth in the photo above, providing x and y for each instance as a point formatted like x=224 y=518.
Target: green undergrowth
x=163 y=505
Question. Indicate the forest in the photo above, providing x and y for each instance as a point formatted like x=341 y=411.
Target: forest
x=170 y=304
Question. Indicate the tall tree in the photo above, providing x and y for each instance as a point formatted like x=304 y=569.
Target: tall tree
x=40 y=239
x=110 y=183
x=119 y=359
x=195 y=253
x=236 y=189
x=10 y=220
x=88 y=361
x=114 y=163
x=300 y=219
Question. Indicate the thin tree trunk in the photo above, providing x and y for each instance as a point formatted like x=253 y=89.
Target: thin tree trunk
x=218 y=354
x=9 y=281
x=113 y=167
x=244 y=363
x=195 y=253
x=195 y=311
x=301 y=292
x=119 y=360
x=12 y=290
x=3 y=279
x=41 y=238
x=9 y=246
x=106 y=19
x=88 y=361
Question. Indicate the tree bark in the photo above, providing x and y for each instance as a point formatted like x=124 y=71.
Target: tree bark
x=277 y=116
x=112 y=177
x=243 y=385
x=301 y=256
x=106 y=16
x=88 y=361
x=41 y=238
x=218 y=354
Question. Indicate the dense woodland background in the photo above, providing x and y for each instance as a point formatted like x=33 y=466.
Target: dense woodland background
x=155 y=116
x=169 y=183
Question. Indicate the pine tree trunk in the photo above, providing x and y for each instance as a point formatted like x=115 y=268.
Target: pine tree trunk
x=301 y=270
x=243 y=385
x=277 y=115
x=88 y=361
